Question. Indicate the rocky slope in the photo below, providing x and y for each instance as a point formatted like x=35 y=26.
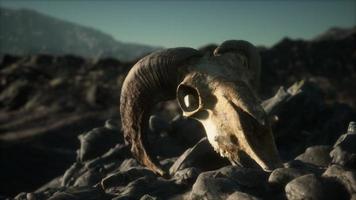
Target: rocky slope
x=47 y=102
x=27 y=32
x=328 y=60
x=105 y=169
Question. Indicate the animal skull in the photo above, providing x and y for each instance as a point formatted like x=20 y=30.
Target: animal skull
x=218 y=91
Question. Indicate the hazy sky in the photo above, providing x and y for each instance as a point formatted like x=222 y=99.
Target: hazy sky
x=195 y=23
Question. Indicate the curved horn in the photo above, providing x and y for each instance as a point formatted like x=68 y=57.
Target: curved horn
x=249 y=55
x=151 y=80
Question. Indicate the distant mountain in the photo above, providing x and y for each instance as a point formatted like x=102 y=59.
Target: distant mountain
x=24 y=32
x=336 y=33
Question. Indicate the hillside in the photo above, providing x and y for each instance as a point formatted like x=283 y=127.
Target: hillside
x=27 y=32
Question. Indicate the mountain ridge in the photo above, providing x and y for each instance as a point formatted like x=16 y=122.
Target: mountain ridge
x=27 y=32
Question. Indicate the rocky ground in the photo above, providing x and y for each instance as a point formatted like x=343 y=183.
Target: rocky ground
x=60 y=135
x=105 y=169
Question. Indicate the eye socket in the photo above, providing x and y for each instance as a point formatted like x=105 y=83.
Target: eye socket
x=188 y=98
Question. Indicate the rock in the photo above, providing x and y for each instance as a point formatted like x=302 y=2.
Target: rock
x=71 y=173
x=241 y=196
x=165 y=146
x=128 y=164
x=309 y=168
x=69 y=61
x=201 y=156
x=344 y=151
x=80 y=193
x=160 y=188
x=117 y=153
x=168 y=162
x=90 y=177
x=343 y=155
x=210 y=186
x=96 y=142
x=304 y=188
x=316 y=155
x=306 y=120
x=91 y=172
x=148 y=197
x=158 y=125
x=353 y=197
x=92 y=95
x=16 y=95
x=21 y=196
x=273 y=104
x=122 y=198
x=8 y=59
x=221 y=183
x=186 y=176
x=250 y=180
x=122 y=178
x=54 y=183
x=112 y=124
x=334 y=189
x=344 y=176
x=281 y=176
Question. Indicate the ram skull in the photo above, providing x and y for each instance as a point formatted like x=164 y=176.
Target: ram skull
x=219 y=91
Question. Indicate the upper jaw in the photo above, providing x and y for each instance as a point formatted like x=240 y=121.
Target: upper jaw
x=249 y=123
x=258 y=141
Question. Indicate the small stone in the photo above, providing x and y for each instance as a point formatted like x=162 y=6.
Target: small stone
x=123 y=178
x=21 y=196
x=343 y=157
x=281 y=176
x=128 y=164
x=344 y=176
x=353 y=197
x=316 y=155
x=117 y=153
x=247 y=177
x=112 y=124
x=300 y=165
x=148 y=197
x=89 y=178
x=168 y=162
x=96 y=142
x=271 y=104
x=80 y=193
x=70 y=173
x=211 y=186
x=304 y=188
x=186 y=176
x=334 y=189
x=241 y=196
x=31 y=196
x=54 y=183
x=344 y=152
x=158 y=125
x=352 y=127
x=160 y=188
x=221 y=183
